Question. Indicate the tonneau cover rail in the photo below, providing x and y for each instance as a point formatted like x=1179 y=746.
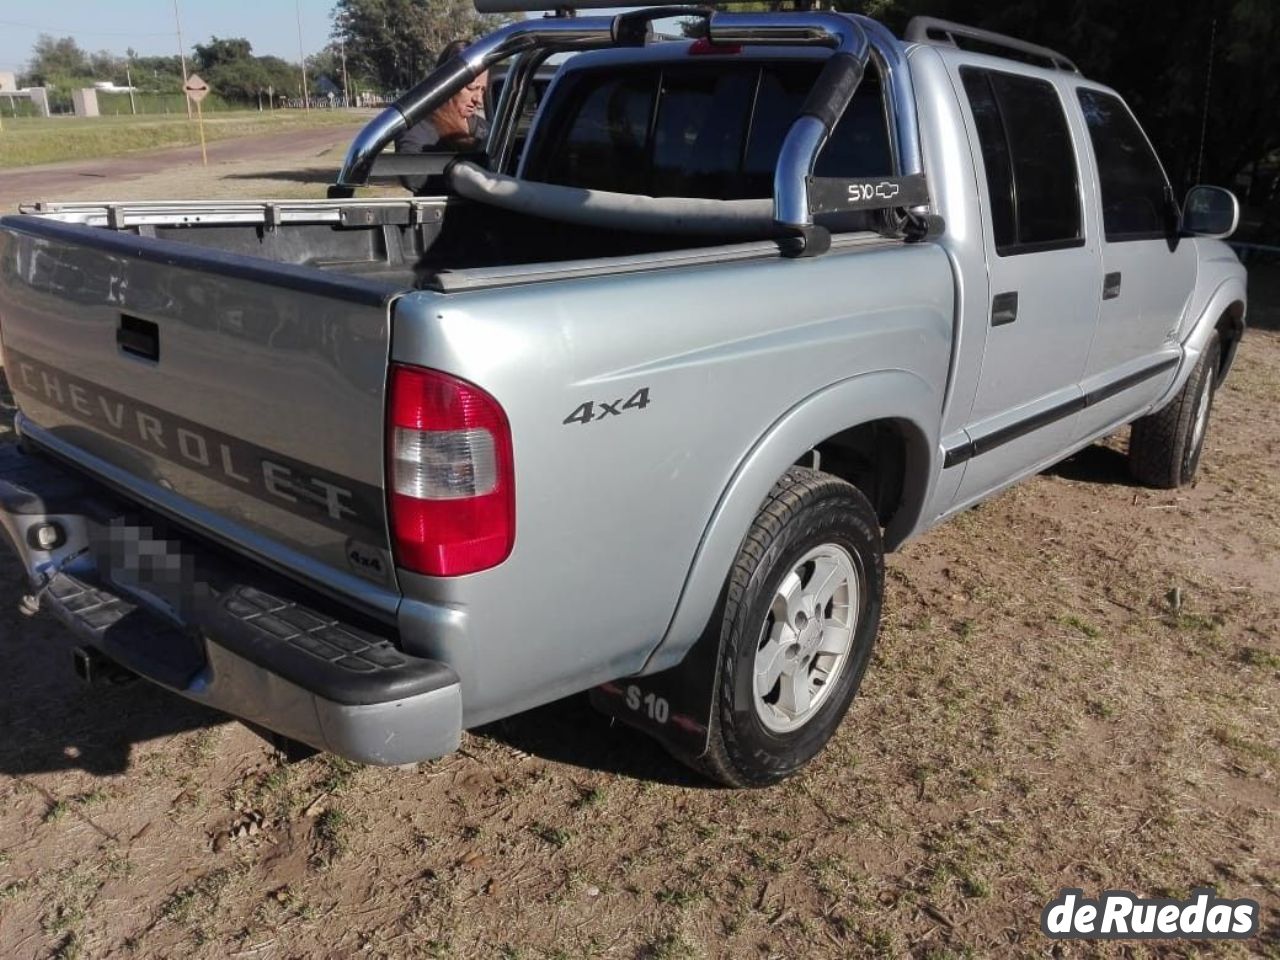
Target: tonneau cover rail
x=122 y=215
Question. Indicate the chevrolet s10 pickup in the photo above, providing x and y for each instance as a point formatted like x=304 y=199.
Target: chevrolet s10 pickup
x=634 y=401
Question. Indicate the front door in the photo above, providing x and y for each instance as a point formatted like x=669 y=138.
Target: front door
x=1149 y=273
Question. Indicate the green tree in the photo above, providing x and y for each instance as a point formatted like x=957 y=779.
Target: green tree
x=396 y=41
x=220 y=51
x=56 y=58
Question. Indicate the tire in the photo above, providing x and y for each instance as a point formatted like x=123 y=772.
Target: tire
x=1165 y=446
x=812 y=526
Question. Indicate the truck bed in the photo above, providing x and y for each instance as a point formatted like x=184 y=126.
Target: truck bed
x=391 y=246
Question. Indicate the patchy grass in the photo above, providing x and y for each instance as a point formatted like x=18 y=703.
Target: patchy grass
x=332 y=837
x=196 y=903
x=67 y=897
x=27 y=141
x=557 y=837
x=81 y=801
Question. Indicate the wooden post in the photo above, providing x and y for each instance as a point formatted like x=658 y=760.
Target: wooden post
x=204 y=157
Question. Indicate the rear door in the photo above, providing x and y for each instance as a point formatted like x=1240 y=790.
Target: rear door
x=1148 y=272
x=1043 y=272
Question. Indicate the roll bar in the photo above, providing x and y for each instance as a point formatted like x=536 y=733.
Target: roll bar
x=854 y=40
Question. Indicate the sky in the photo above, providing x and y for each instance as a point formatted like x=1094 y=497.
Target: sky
x=148 y=25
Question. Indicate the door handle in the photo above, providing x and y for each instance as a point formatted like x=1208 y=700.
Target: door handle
x=1111 y=286
x=1004 y=308
x=138 y=338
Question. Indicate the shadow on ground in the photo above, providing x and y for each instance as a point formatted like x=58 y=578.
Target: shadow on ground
x=52 y=721
x=313 y=175
x=572 y=732
x=1095 y=464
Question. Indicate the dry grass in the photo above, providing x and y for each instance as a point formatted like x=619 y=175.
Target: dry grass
x=27 y=141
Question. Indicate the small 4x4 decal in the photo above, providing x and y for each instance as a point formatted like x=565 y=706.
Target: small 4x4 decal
x=593 y=411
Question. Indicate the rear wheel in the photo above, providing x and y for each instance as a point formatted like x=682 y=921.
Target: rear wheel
x=1165 y=446
x=801 y=615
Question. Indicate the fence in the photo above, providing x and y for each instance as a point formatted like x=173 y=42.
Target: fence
x=117 y=104
x=18 y=107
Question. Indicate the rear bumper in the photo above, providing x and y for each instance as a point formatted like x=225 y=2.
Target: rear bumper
x=217 y=631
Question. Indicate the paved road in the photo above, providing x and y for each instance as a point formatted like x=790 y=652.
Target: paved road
x=50 y=181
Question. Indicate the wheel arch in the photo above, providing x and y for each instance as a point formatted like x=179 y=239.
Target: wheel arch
x=1221 y=310
x=1230 y=327
x=897 y=408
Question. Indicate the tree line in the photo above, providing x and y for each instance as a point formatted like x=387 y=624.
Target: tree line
x=389 y=45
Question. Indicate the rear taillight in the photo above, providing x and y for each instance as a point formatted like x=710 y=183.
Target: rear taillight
x=449 y=474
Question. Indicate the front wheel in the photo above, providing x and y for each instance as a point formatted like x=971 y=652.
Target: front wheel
x=801 y=615
x=1165 y=446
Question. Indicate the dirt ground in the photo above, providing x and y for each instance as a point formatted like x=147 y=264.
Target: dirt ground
x=1039 y=715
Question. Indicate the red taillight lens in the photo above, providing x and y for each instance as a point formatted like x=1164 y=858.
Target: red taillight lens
x=450 y=478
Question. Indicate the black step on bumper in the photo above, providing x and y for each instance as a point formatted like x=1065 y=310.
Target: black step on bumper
x=216 y=630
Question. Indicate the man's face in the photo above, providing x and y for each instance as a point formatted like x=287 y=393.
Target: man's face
x=470 y=99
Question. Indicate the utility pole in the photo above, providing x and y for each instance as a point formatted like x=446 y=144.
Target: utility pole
x=297 y=6
x=128 y=78
x=346 y=98
x=182 y=55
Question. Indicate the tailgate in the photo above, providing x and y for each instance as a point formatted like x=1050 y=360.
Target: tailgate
x=243 y=396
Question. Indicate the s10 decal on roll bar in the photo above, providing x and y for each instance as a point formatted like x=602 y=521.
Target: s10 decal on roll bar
x=836 y=194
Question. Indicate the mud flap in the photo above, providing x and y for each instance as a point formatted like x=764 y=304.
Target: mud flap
x=673 y=706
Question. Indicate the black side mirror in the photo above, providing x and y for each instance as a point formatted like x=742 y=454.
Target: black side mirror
x=1210 y=212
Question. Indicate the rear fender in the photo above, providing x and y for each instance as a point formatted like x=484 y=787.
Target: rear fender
x=674 y=694
x=893 y=394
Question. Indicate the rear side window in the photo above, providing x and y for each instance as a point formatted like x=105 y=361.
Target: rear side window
x=605 y=143
x=711 y=130
x=1029 y=159
x=1135 y=194
x=698 y=133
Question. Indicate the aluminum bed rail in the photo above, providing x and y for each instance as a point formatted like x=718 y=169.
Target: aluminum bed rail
x=140 y=214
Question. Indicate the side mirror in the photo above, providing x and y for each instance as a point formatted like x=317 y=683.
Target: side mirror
x=1210 y=212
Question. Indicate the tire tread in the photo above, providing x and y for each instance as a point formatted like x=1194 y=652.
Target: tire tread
x=1158 y=441
x=793 y=491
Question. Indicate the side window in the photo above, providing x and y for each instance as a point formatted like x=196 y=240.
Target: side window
x=715 y=131
x=697 y=137
x=1029 y=160
x=859 y=145
x=605 y=145
x=1135 y=194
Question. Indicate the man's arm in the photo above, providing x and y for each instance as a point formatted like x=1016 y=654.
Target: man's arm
x=422 y=137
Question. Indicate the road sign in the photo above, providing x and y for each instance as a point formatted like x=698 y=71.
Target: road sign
x=196 y=88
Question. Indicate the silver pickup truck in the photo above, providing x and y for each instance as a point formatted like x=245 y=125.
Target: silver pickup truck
x=634 y=404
